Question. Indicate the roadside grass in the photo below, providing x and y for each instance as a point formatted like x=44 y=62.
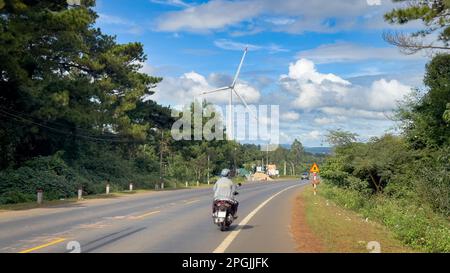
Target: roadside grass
x=170 y=186
x=34 y=205
x=289 y=177
x=412 y=223
x=64 y=202
x=344 y=231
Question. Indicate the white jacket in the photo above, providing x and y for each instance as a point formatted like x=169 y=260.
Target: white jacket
x=224 y=189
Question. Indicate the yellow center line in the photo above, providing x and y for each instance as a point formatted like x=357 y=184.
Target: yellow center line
x=54 y=242
x=146 y=214
x=192 y=201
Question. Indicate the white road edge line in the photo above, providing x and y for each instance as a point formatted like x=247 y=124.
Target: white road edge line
x=234 y=233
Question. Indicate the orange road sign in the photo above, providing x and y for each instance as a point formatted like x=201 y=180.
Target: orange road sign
x=315 y=168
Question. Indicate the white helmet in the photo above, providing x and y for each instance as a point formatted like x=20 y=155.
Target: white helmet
x=225 y=172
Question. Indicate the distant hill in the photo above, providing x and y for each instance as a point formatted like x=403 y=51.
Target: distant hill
x=318 y=150
x=312 y=150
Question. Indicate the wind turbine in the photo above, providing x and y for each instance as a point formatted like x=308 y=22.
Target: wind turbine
x=233 y=90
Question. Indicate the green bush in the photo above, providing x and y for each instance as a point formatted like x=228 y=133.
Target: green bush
x=345 y=198
x=92 y=170
x=14 y=197
x=358 y=185
x=50 y=174
x=433 y=180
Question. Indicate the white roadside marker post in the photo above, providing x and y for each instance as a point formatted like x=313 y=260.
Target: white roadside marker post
x=131 y=186
x=107 y=189
x=187 y=184
x=80 y=193
x=315 y=183
x=40 y=196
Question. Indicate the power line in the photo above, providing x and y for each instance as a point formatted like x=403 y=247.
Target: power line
x=18 y=113
x=22 y=119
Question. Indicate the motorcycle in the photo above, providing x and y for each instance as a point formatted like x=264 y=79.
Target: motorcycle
x=223 y=215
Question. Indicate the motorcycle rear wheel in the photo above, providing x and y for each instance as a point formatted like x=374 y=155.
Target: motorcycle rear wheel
x=223 y=226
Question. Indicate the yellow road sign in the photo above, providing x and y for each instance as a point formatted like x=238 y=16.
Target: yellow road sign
x=315 y=168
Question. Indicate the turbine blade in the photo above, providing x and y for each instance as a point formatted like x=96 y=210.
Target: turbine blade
x=216 y=90
x=239 y=68
x=246 y=105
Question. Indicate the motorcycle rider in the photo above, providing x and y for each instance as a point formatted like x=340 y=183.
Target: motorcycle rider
x=224 y=189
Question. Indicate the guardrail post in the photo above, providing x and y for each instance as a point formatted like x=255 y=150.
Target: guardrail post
x=40 y=196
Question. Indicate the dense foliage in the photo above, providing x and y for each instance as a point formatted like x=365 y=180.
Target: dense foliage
x=404 y=181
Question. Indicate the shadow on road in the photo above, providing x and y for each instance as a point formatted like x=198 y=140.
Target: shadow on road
x=241 y=227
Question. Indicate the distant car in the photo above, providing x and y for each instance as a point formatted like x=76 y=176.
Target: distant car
x=305 y=176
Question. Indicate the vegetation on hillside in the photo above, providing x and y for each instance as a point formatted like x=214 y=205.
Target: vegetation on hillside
x=404 y=180
x=75 y=111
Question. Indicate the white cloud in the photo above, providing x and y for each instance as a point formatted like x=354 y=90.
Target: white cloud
x=232 y=45
x=175 y=3
x=305 y=71
x=311 y=101
x=212 y=15
x=313 y=135
x=373 y=2
x=113 y=20
x=315 y=91
x=293 y=16
x=280 y=21
x=190 y=86
x=352 y=113
x=349 y=52
x=323 y=121
x=312 y=88
x=290 y=116
x=126 y=26
x=147 y=69
x=385 y=95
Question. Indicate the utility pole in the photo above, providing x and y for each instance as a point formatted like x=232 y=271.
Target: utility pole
x=230 y=117
x=234 y=161
x=161 y=160
x=208 y=170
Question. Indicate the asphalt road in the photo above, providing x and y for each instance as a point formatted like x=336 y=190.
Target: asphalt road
x=169 y=221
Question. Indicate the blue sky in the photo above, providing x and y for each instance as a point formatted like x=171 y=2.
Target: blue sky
x=324 y=62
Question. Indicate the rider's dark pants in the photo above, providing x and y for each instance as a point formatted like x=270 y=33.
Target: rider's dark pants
x=235 y=207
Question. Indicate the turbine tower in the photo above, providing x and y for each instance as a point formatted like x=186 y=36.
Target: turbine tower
x=230 y=104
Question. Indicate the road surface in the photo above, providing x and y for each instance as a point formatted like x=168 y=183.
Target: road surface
x=168 y=221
